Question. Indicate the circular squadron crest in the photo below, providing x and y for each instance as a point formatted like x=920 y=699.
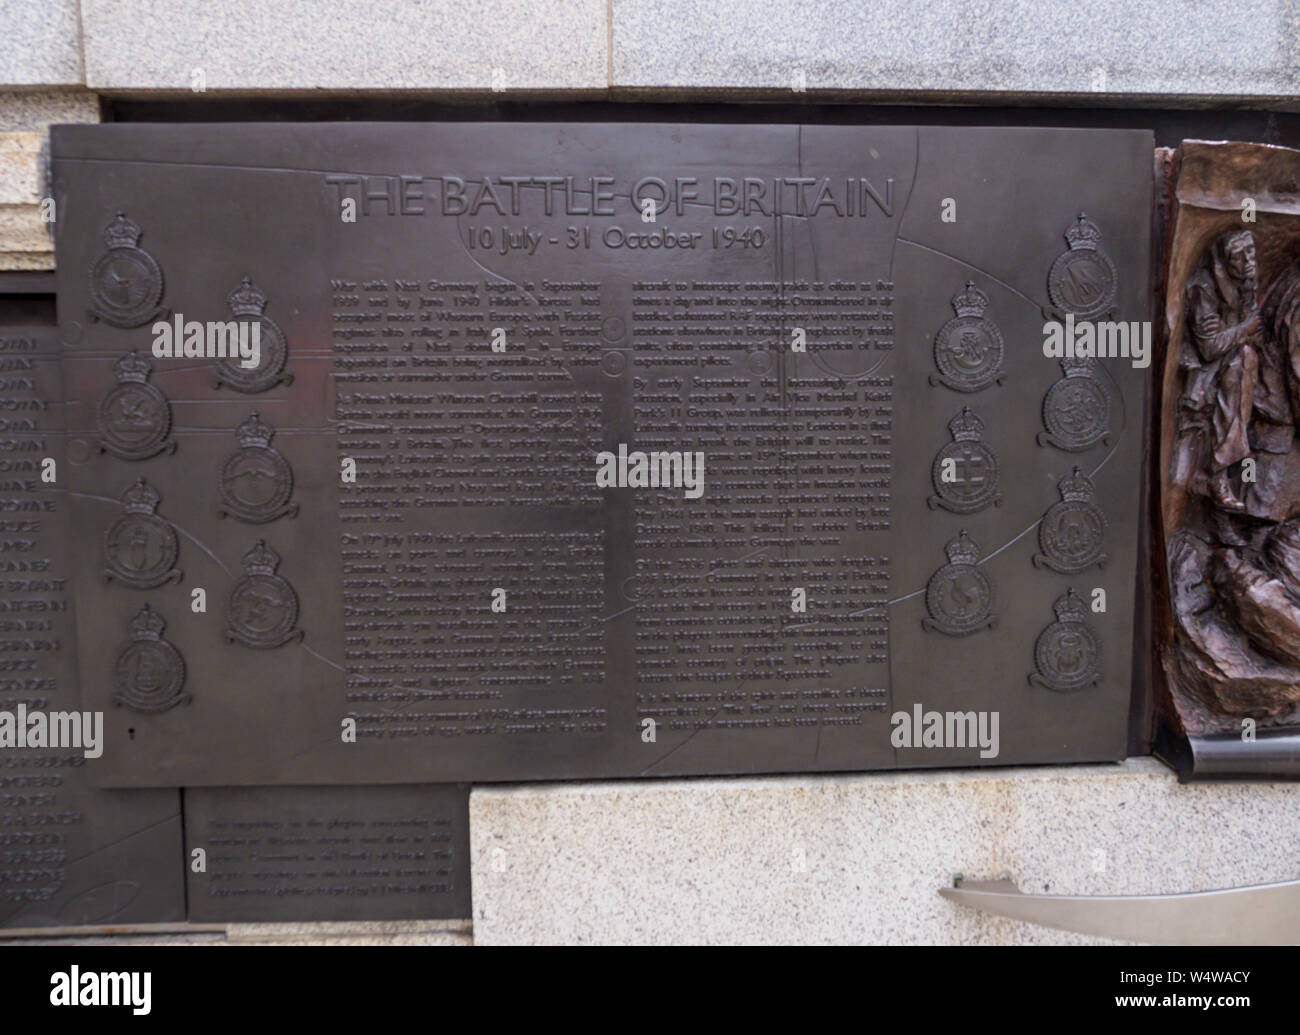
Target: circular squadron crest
x=135 y=418
x=1072 y=531
x=1076 y=409
x=1082 y=280
x=959 y=596
x=1067 y=653
x=149 y=672
x=263 y=607
x=140 y=547
x=256 y=481
x=248 y=303
x=126 y=283
x=965 y=471
x=968 y=349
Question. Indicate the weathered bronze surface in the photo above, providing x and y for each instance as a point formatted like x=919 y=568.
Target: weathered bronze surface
x=470 y=313
x=1230 y=458
x=69 y=854
x=328 y=853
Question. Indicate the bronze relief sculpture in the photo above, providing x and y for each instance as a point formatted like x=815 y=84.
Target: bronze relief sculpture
x=1230 y=456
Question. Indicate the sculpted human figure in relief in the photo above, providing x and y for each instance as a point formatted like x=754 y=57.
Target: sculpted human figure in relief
x=1234 y=558
x=1234 y=374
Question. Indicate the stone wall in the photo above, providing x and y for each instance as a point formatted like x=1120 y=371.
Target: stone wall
x=1212 y=51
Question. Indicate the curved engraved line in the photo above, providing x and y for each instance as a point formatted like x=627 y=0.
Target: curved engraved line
x=188 y=535
x=334 y=172
x=703 y=575
x=398 y=709
x=816 y=358
x=896 y=600
x=554 y=360
x=491 y=272
x=187 y=369
x=977 y=269
x=617 y=614
x=688 y=738
x=1011 y=542
x=202 y=546
x=893 y=248
x=983 y=560
x=91 y=854
x=231 y=166
x=321 y=657
x=902 y=216
x=1115 y=393
x=1118 y=395
x=740 y=686
x=812 y=237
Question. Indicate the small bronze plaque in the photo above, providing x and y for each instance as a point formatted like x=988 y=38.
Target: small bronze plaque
x=328 y=853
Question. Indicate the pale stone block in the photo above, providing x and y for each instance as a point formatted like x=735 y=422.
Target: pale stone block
x=345 y=45
x=23 y=230
x=22 y=169
x=1035 y=49
x=856 y=859
x=41 y=43
x=39 y=109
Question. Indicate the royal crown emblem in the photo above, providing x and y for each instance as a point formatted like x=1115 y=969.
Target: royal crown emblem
x=140 y=547
x=149 y=672
x=1082 y=280
x=263 y=607
x=965 y=471
x=134 y=418
x=1076 y=409
x=959 y=597
x=1073 y=530
x=257 y=481
x=126 y=283
x=1067 y=654
x=968 y=349
x=248 y=303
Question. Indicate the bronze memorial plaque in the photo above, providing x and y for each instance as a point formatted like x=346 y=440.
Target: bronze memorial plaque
x=336 y=853
x=475 y=452
x=70 y=854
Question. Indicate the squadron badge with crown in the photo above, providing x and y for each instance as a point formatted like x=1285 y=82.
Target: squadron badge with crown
x=135 y=418
x=257 y=481
x=140 y=547
x=965 y=471
x=149 y=672
x=126 y=283
x=263 y=608
x=1082 y=280
x=968 y=349
x=247 y=302
x=959 y=596
x=1073 y=528
x=1076 y=409
x=1067 y=653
